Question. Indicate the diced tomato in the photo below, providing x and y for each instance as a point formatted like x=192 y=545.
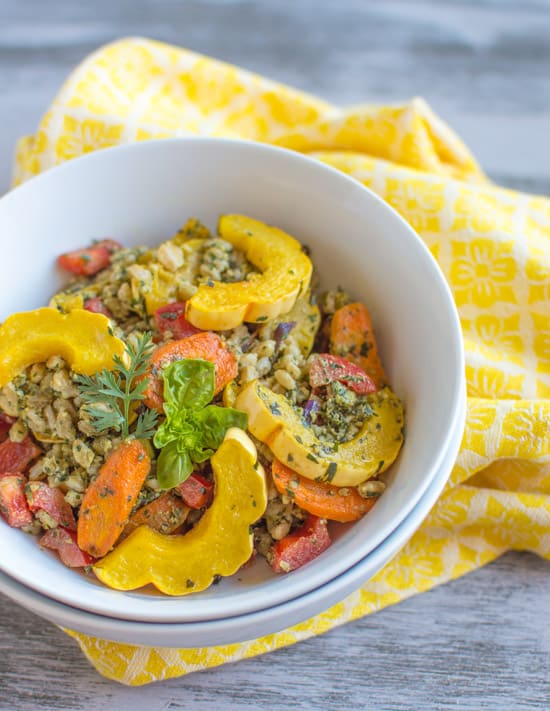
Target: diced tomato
x=89 y=261
x=64 y=542
x=196 y=491
x=326 y=368
x=42 y=497
x=16 y=456
x=96 y=306
x=13 y=503
x=301 y=546
x=111 y=245
x=5 y=425
x=172 y=318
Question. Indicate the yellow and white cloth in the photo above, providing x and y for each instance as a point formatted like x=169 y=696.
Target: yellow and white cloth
x=492 y=244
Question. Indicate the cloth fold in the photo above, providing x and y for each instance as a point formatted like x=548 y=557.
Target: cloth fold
x=492 y=244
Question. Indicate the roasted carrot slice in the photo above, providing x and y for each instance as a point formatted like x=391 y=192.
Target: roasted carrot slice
x=352 y=337
x=324 y=500
x=165 y=515
x=206 y=345
x=109 y=499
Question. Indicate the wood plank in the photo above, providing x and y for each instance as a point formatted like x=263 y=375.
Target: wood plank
x=482 y=641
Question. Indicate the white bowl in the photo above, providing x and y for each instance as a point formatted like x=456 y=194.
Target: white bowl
x=140 y=194
x=241 y=627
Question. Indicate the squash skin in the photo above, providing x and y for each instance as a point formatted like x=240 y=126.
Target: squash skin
x=285 y=273
x=273 y=421
x=219 y=544
x=82 y=338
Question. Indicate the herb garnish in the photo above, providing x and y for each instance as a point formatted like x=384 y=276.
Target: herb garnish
x=109 y=394
x=193 y=430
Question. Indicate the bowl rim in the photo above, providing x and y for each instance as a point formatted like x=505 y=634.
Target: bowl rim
x=311 y=579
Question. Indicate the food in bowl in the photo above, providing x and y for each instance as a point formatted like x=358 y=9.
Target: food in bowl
x=176 y=411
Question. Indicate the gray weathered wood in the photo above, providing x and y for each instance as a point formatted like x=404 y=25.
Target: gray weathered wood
x=479 y=642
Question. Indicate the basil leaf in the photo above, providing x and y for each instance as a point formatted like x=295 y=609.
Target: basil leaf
x=213 y=422
x=188 y=384
x=192 y=432
x=173 y=466
x=165 y=434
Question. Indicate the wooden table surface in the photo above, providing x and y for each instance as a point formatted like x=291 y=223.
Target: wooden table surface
x=481 y=642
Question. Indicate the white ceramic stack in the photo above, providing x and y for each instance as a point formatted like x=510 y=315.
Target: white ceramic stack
x=141 y=194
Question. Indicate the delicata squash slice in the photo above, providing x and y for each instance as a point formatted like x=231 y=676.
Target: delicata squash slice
x=284 y=273
x=218 y=545
x=273 y=421
x=84 y=339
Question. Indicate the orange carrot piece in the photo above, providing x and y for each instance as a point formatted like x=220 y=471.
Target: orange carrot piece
x=109 y=499
x=352 y=337
x=165 y=515
x=205 y=345
x=319 y=498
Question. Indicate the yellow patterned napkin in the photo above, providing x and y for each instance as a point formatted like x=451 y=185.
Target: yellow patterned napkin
x=493 y=246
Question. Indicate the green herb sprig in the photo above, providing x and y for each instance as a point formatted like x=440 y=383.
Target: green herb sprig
x=109 y=394
x=193 y=430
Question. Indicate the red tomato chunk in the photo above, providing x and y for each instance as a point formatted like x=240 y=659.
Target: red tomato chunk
x=96 y=306
x=301 y=546
x=172 y=318
x=64 y=542
x=5 y=425
x=326 y=369
x=16 y=456
x=90 y=261
x=13 y=503
x=42 y=497
x=196 y=491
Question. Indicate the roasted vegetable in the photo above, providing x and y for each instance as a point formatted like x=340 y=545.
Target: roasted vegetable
x=172 y=318
x=305 y=318
x=96 y=306
x=42 y=497
x=284 y=273
x=165 y=515
x=196 y=492
x=82 y=338
x=352 y=337
x=89 y=261
x=13 y=502
x=16 y=456
x=5 y=425
x=301 y=546
x=325 y=500
x=218 y=545
x=110 y=498
x=325 y=369
x=64 y=542
x=273 y=421
x=206 y=346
